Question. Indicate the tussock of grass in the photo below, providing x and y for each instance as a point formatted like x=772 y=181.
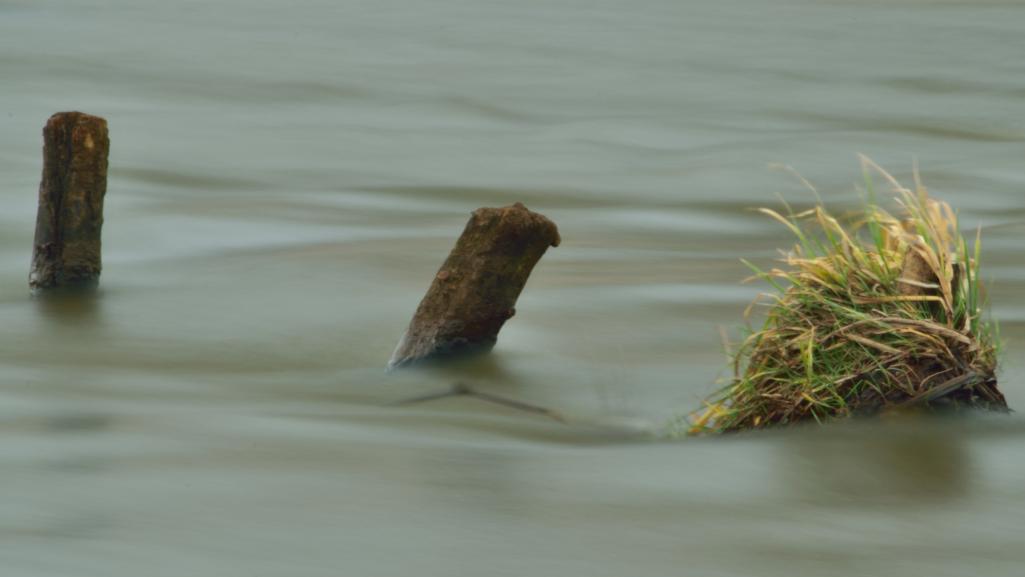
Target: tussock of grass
x=874 y=313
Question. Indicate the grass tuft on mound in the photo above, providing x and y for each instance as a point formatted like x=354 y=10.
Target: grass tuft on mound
x=874 y=313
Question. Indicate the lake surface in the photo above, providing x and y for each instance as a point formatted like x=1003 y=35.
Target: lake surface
x=285 y=179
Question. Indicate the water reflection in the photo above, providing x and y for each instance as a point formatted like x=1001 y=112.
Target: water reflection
x=916 y=462
x=478 y=368
x=75 y=308
x=77 y=423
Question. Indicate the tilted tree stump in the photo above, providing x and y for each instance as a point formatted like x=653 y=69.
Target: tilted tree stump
x=66 y=252
x=476 y=289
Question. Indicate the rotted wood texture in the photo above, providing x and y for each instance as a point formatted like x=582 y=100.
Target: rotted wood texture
x=475 y=291
x=66 y=251
x=916 y=276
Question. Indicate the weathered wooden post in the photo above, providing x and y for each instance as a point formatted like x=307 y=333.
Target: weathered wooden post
x=476 y=289
x=66 y=252
x=916 y=276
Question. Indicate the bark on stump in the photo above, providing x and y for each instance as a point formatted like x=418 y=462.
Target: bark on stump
x=475 y=290
x=66 y=252
x=916 y=276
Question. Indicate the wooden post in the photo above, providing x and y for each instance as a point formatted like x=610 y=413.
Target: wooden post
x=476 y=289
x=916 y=276
x=66 y=252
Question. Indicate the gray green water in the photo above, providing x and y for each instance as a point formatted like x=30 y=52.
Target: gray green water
x=287 y=176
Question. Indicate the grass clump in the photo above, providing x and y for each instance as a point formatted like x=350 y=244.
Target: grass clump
x=873 y=313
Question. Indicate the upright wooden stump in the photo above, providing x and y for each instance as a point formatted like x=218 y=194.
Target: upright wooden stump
x=66 y=252
x=476 y=289
x=916 y=276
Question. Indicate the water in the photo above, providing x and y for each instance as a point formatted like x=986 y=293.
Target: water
x=287 y=176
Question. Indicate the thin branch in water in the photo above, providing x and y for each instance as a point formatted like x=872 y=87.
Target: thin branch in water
x=464 y=390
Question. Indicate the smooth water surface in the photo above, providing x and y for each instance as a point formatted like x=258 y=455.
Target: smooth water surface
x=286 y=177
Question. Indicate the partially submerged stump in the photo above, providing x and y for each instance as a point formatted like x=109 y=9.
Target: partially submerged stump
x=881 y=315
x=66 y=251
x=475 y=291
x=916 y=276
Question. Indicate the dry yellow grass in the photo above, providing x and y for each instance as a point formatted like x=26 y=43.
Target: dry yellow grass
x=879 y=311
